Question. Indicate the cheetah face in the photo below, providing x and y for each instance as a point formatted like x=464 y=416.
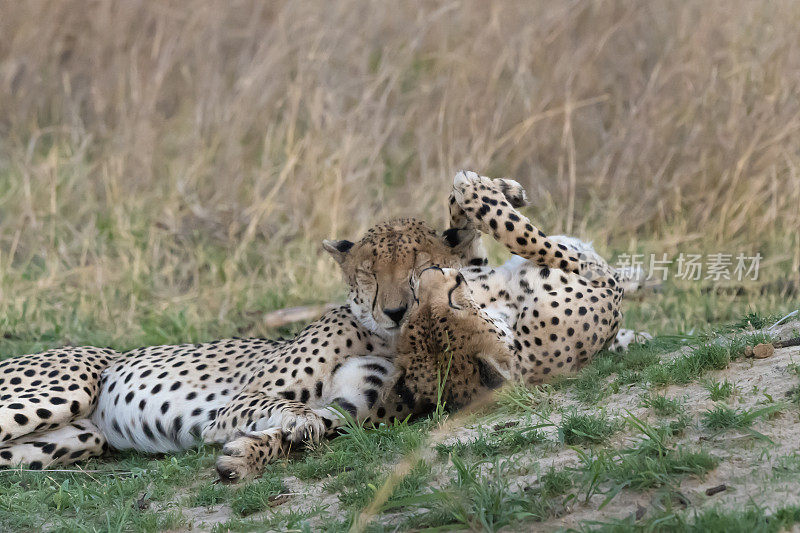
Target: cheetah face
x=471 y=330
x=449 y=330
x=383 y=267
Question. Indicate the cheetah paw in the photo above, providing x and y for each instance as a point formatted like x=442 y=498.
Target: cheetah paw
x=247 y=455
x=513 y=191
x=307 y=427
x=626 y=337
x=468 y=187
x=482 y=198
x=233 y=469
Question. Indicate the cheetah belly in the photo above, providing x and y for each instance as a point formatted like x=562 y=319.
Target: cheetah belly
x=149 y=406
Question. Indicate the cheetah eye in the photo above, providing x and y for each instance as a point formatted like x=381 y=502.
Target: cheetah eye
x=365 y=270
x=365 y=276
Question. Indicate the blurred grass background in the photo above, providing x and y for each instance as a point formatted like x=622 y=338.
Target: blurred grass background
x=167 y=172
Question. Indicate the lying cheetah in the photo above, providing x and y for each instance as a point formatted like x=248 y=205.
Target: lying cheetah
x=544 y=313
x=255 y=396
x=554 y=305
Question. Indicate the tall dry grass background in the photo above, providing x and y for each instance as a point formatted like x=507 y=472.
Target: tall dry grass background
x=167 y=170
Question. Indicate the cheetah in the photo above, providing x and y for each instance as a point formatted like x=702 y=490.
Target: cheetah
x=554 y=305
x=257 y=397
x=543 y=313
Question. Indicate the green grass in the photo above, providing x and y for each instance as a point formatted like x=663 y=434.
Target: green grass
x=503 y=441
x=652 y=463
x=585 y=428
x=210 y=494
x=723 y=417
x=478 y=498
x=125 y=494
x=481 y=494
x=661 y=405
x=755 y=320
x=719 y=390
x=555 y=482
x=256 y=496
x=275 y=520
x=645 y=364
x=519 y=399
x=358 y=447
x=794 y=393
x=640 y=469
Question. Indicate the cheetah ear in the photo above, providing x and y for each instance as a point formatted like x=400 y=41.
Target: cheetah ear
x=458 y=238
x=490 y=374
x=493 y=370
x=338 y=249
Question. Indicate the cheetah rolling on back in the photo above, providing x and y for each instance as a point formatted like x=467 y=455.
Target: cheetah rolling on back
x=546 y=312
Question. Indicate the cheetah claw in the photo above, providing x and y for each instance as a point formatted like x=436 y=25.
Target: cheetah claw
x=307 y=427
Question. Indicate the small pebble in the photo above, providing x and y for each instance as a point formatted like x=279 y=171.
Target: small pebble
x=762 y=351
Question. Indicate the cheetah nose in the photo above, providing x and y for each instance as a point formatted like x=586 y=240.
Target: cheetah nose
x=396 y=314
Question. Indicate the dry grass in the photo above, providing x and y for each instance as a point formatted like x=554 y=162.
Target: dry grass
x=167 y=173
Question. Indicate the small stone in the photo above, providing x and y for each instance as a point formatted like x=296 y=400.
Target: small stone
x=762 y=351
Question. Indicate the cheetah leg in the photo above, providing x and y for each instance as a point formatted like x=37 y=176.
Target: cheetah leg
x=249 y=412
x=475 y=254
x=248 y=453
x=359 y=386
x=77 y=441
x=256 y=428
x=484 y=203
x=48 y=390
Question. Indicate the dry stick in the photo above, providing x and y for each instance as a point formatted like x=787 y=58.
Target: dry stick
x=787 y=343
x=290 y=315
x=764 y=350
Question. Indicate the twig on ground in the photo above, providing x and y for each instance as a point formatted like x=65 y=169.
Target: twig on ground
x=303 y=313
x=764 y=350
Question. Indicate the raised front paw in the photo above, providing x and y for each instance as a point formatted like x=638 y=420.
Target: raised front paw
x=246 y=456
x=483 y=199
x=470 y=188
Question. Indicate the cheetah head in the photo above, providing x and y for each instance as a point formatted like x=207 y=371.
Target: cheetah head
x=448 y=334
x=382 y=268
